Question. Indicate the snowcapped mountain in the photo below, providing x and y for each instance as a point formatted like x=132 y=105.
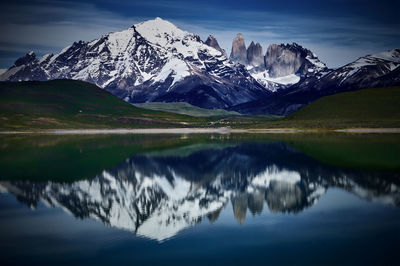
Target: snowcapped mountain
x=157 y=196
x=287 y=65
x=151 y=61
x=368 y=71
x=371 y=71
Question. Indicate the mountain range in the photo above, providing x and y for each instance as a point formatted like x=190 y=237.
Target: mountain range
x=155 y=61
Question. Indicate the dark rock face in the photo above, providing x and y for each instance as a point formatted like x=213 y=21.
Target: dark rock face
x=27 y=67
x=282 y=60
x=255 y=55
x=239 y=53
x=211 y=41
x=29 y=58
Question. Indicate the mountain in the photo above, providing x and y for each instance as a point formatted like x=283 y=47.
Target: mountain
x=371 y=71
x=74 y=104
x=156 y=196
x=151 y=61
x=281 y=66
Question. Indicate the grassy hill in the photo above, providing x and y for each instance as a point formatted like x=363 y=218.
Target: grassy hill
x=378 y=107
x=363 y=107
x=185 y=108
x=76 y=104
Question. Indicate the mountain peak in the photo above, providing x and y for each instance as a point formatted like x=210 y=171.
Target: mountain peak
x=160 y=25
x=389 y=55
x=26 y=59
x=238 y=52
x=159 y=31
x=212 y=41
x=255 y=55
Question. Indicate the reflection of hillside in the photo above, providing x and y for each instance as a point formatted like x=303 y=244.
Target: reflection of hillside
x=157 y=196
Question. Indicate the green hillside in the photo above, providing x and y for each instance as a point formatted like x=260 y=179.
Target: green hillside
x=368 y=107
x=378 y=107
x=185 y=108
x=76 y=104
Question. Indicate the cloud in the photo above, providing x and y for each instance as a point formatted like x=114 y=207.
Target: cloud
x=49 y=26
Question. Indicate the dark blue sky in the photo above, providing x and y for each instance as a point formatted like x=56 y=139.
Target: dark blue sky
x=338 y=31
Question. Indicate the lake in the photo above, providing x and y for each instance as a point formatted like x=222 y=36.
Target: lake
x=204 y=199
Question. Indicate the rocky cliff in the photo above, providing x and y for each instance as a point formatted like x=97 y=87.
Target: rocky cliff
x=255 y=55
x=239 y=53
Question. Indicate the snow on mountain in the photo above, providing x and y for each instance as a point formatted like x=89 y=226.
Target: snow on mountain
x=165 y=34
x=388 y=61
x=263 y=78
x=271 y=174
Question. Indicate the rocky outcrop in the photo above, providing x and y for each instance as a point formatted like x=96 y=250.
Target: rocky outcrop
x=239 y=53
x=255 y=55
x=211 y=41
x=280 y=61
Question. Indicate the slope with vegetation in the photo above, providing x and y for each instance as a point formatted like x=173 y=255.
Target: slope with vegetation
x=185 y=108
x=377 y=107
x=76 y=104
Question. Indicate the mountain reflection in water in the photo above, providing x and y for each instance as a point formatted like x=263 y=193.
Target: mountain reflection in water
x=157 y=195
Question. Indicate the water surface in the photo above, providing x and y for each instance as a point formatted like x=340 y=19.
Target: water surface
x=200 y=199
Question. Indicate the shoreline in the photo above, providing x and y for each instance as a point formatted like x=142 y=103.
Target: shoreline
x=221 y=130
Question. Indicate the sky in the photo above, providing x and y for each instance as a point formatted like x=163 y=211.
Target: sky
x=338 y=31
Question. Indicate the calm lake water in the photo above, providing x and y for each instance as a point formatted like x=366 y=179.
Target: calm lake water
x=200 y=200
